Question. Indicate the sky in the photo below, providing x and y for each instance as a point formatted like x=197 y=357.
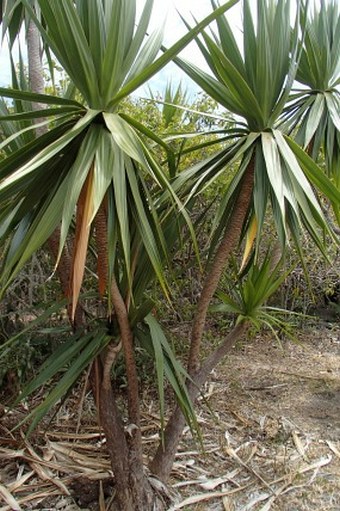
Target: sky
x=174 y=29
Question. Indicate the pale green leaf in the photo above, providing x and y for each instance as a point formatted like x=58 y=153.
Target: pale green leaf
x=314 y=118
x=273 y=167
x=51 y=150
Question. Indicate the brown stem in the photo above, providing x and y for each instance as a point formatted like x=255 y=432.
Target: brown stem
x=114 y=433
x=226 y=247
x=162 y=463
x=163 y=460
x=129 y=354
x=137 y=479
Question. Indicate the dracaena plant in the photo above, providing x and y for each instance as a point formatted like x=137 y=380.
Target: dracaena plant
x=313 y=112
x=92 y=168
x=273 y=174
x=249 y=290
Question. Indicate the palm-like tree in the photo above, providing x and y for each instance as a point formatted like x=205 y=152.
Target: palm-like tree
x=313 y=112
x=92 y=168
x=274 y=174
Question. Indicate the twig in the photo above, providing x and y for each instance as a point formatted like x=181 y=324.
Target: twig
x=233 y=454
x=82 y=398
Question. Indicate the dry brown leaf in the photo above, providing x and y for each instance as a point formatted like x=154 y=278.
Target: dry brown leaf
x=333 y=448
x=299 y=446
x=204 y=496
x=74 y=436
x=101 y=501
x=83 y=221
x=9 y=499
x=10 y=453
x=42 y=471
x=233 y=454
x=211 y=484
x=272 y=499
x=39 y=496
x=254 y=501
x=76 y=457
x=317 y=464
x=20 y=482
x=228 y=504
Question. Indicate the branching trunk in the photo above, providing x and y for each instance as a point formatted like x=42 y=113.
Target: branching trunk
x=133 y=491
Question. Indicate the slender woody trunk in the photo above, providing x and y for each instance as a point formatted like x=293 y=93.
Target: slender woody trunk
x=225 y=249
x=138 y=486
x=164 y=458
x=35 y=68
x=133 y=492
x=113 y=429
x=162 y=463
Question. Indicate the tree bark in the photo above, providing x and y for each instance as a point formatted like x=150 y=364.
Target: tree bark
x=35 y=69
x=138 y=483
x=113 y=429
x=225 y=249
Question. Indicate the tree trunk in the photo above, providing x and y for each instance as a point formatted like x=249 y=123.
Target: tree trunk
x=162 y=463
x=35 y=69
x=132 y=490
x=225 y=249
x=136 y=484
x=164 y=458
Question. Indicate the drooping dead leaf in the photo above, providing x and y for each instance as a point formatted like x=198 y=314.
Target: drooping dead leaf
x=83 y=219
x=250 y=237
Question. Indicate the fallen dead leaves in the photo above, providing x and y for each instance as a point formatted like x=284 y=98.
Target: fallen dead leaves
x=251 y=461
